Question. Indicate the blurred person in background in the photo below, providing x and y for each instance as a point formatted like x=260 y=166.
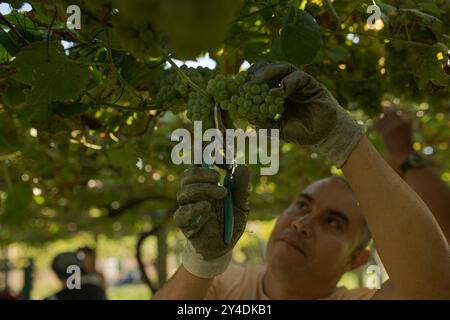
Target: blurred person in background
x=87 y=291
x=92 y=276
x=415 y=170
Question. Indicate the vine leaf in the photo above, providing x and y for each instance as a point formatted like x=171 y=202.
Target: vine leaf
x=431 y=8
x=429 y=70
x=51 y=75
x=7 y=43
x=276 y=51
x=434 y=24
x=301 y=38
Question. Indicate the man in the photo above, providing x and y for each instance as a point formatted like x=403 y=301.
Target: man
x=323 y=233
x=87 y=291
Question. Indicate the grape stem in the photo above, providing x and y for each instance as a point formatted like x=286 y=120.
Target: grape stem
x=376 y=36
x=116 y=106
x=12 y=28
x=183 y=75
x=122 y=81
x=352 y=12
x=7 y=176
x=251 y=14
x=333 y=12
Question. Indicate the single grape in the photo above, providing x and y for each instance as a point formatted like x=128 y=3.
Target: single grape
x=257 y=100
x=269 y=100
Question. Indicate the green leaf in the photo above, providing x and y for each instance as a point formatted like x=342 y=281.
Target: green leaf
x=301 y=38
x=13 y=96
x=430 y=8
x=337 y=54
x=429 y=70
x=434 y=24
x=388 y=9
x=276 y=52
x=10 y=46
x=70 y=109
x=3 y=54
x=254 y=51
x=52 y=75
x=446 y=39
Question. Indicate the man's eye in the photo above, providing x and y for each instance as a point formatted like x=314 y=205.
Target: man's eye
x=334 y=223
x=302 y=205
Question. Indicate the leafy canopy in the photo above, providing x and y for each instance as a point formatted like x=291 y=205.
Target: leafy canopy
x=84 y=142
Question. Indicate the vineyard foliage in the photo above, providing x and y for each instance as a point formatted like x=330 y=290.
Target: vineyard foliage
x=86 y=115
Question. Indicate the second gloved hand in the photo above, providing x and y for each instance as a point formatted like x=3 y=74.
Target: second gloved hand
x=201 y=219
x=312 y=115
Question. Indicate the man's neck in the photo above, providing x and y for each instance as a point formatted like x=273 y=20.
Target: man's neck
x=279 y=287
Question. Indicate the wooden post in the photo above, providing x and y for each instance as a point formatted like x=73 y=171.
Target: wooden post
x=162 y=255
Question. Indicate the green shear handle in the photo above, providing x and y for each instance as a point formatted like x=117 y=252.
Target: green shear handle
x=228 y=205
x=228 y=201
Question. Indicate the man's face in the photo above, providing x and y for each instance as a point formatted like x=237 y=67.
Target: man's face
x=317 y=236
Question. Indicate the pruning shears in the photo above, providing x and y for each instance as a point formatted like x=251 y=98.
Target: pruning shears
x=228 y=201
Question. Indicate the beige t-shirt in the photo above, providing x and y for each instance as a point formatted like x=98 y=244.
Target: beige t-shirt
x=244 y=282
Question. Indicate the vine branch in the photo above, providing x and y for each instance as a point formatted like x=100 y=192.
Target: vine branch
x=183 y=75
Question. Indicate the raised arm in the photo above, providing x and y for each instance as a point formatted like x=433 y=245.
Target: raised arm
x=408 y=238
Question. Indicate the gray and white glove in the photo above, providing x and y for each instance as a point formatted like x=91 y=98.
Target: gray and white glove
x=312 y=115
x=201 y=219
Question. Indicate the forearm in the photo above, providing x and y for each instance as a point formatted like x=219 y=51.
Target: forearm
x=436 y=194
x=184 y=286
x=408 y=238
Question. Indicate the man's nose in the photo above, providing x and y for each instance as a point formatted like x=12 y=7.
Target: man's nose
x=303 y=227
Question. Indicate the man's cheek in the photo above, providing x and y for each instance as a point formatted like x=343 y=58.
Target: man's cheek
x=333 y=249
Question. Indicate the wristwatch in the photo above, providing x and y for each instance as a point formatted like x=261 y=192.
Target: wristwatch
x=413 y=161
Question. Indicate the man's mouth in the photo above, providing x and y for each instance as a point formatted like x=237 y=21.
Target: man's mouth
x=294 y=244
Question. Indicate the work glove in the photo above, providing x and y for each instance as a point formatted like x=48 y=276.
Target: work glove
x=312 y=115
x=201 y=219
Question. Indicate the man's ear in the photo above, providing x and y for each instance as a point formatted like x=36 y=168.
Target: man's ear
x=358 y=258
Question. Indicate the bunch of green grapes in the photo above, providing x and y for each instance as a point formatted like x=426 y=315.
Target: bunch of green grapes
x=199 y=105
x=168 y=96
x=175 y=94
x=200 y=108
x=239 y=96
x=244 y=99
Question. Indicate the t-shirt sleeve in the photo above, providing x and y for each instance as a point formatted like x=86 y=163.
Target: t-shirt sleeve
x=229 y=285
x=212 y=292
x=354 y=294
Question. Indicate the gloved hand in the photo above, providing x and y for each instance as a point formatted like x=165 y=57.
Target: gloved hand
x=312 y=115
x=201 y=219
